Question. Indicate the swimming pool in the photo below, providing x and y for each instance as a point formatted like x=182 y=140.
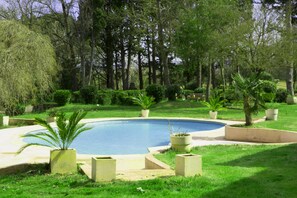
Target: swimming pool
x=133 y=136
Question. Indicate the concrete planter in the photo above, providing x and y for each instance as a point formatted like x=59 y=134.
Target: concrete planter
x=271 y=114
x=103 y=169
x=50 y=119
x=145 y=113
x=291 y=100
x=259 y=135
x=181 y=142
x=188 y=165
x=63 y=161
x=213 y=114
x=5 y=120
x=28 y=109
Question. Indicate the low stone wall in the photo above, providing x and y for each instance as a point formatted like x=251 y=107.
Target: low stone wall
x=259 y=135
x=19 y=121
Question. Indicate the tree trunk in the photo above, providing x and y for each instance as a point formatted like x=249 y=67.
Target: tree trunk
x=209 y=79
x=290 y=74
x=154 y=65
x=140 y=71
x=129 y=61
x=92 y=45
x=109 y=58
x=199 y=74
x=116 y=70
x=149 y=61
x=247 y=112
x=123 y=62
x=163 y=54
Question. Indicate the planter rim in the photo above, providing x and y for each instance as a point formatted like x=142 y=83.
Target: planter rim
x=177 y=135
x=57 y=149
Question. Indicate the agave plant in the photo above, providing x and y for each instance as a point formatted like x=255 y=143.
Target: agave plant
x=62 y=137
x=144 y=101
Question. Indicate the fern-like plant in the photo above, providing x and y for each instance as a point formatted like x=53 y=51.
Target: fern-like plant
x=144 y=101
x=62 y=137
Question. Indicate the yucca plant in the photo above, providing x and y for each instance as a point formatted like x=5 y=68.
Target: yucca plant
x=144 y=101
x=62 y=137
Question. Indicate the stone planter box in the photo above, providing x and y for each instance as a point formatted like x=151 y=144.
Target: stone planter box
x=17 y=121
x=259 y=135
x=145 y=113
x=5 y=120
x=291 y=100
x=63 y=161
x=188 y=165
x=181 y=142
x=271 y=114
x=103 y=169
x=50 y=119
x=213 y=114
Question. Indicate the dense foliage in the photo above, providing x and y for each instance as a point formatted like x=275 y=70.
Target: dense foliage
x=27 y=67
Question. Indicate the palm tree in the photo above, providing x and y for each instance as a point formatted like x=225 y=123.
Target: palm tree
x=62 y=137
x=250 y=91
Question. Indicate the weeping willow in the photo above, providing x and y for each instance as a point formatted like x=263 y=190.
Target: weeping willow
x=28 y=66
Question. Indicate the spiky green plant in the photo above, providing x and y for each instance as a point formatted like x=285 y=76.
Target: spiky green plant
x=251 y=92
x=63 y=136
x=214 y=104
x=144 y=101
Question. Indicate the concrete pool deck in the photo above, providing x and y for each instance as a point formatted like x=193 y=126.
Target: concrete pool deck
x=129 y=167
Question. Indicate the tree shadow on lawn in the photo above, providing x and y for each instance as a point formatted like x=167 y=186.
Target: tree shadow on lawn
x=278 y=179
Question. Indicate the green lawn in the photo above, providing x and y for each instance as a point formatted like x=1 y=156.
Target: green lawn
x=228 y=171
x=190 y=109
x=187 y=109
x=286 y=119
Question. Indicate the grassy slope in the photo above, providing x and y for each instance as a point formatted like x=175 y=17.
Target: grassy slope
x=228 y=171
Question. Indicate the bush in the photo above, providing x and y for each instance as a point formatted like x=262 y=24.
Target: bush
x=188 y=93
x=89 y=94
x=156 y=91
x=15 y=110
x=269 y=89
x=191 y=85
x=62 y=97
x=266 y=76
x=76 y=97
x=172 y=91
x=104 y=97
x=43 y=107
x=200 y=90
x=281 y=95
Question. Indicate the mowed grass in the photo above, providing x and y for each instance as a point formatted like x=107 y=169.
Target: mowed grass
x=228 y=171
x=287 y=119
x=190 y=109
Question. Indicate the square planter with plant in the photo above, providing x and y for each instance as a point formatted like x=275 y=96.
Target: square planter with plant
x=62 y=159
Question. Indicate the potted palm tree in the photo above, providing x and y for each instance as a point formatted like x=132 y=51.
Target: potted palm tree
x=145 y=102
x=62 y=159
x=214 y=104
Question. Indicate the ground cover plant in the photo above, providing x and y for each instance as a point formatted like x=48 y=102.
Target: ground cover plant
x=228 y=171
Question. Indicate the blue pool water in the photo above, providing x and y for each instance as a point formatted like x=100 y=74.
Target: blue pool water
x=132 y=136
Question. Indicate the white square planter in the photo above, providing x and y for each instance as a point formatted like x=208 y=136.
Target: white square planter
x=5 y=120
x=103 y=169
x=188 y=165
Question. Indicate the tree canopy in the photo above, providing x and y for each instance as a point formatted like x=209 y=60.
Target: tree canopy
x=27 y=64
